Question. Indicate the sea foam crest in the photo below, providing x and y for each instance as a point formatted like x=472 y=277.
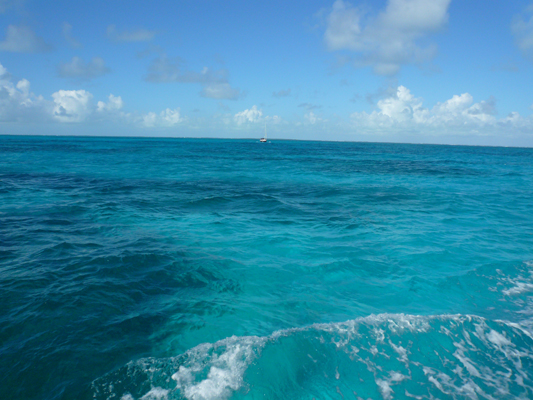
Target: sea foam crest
x=521 y=284
x=380 y=356
x=226 y=361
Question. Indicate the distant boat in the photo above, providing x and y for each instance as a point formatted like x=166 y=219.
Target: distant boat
x=264 y=139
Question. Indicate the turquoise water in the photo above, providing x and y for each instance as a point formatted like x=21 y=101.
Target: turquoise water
x=229 y=269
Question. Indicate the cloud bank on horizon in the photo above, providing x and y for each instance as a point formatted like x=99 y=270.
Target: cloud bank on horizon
x=423 y=72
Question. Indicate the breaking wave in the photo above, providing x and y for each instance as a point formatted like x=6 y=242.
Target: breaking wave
x=380 y=356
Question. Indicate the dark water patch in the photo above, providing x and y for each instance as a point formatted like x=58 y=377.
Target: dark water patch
x=65 y=298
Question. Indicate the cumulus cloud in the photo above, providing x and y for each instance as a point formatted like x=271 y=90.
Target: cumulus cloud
x=458 y=115
x=21 y=39
x=390 y=39
x=75 y=106
x=282 y=93
x=67 y=35
x=79 y=69
x=273 y=119
x=139 y=35
x=250 y=115
x=522 y=28
x=311 y=117
x=167 y=118
x=72 y=105
x=17 y=102
x=114 y=104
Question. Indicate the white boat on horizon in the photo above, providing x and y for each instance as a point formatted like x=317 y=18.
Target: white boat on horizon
x=264 y=139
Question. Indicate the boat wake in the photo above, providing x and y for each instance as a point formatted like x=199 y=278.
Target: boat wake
x=380 y=356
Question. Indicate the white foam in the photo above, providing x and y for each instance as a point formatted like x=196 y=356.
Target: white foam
x=401 y=352
x=407 y=394
x=384 y=384
x=225 y=372
x=384 y=388
x=216 y=371
x=226 y=361
x=498 y=339
x=521 y=284
x=460 y=355
x=432 y=379
x=396 y=323
x=156 y=393
x=518 y=288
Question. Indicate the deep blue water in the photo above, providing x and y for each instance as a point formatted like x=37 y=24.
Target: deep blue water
x=229 y=269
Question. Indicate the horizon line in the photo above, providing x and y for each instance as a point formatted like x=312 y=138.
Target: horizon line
x=255 y=139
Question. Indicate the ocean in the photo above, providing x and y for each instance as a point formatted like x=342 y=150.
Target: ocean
x=146 y=268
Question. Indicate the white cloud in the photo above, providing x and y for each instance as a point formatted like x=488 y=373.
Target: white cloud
x=171 y=117
x=67 y=34
x=311 y=117
x=167 y=118
x=114 y=104
x=251 y=115
x=399 y=116
x=402 y=107
x=523 y=32
x=274 y=119
x=72 y=105
x=17 y=103
x=21 y=39
x=139 y=35
x=459 y=115
x=221 y=91
x=79 y=69
x=343 y=30
x=390 y=39
x=150 y=119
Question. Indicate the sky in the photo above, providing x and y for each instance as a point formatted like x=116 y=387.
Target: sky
x=415 y=71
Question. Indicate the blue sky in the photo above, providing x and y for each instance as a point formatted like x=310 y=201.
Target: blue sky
x=423 y=71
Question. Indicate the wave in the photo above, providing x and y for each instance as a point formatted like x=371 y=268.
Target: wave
x=386 y=356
